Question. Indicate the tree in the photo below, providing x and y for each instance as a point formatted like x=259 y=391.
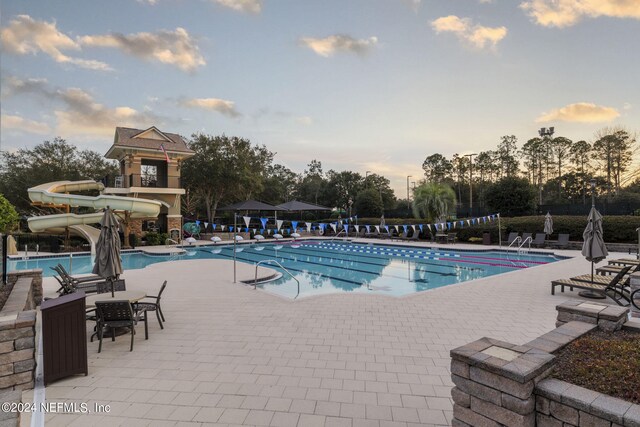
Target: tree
x=8 y=215
x=312 y=183
x=511 y=196
x=614 y=152
x=342 y=187
x=224 y=168
x=560 y=148
x=580 y=153
x=506 y=155
x=533 y=153
x=279 y=185
x=383 y=186
x=460 y=168
x=368 y=203
x=437 y=168
x=433 y=201
x=50 y=161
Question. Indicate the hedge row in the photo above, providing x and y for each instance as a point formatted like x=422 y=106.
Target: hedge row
x=616 y=229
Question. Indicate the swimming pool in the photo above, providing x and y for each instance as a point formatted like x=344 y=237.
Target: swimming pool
x=327 y=267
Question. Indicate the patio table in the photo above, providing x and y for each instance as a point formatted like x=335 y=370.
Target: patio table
x=132 y=296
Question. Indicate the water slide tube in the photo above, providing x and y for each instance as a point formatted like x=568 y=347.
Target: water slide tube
x=56 y=193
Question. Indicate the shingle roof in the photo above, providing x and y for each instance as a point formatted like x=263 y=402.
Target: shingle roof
x=125 y=138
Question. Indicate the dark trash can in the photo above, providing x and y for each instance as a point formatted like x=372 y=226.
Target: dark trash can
x=64 y=337
x=486 y=238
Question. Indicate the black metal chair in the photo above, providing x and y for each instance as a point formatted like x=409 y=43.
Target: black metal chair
x=152 y=306
x=117 y=314
x=105 y=286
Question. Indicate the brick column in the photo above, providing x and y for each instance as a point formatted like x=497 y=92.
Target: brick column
x=495 y=381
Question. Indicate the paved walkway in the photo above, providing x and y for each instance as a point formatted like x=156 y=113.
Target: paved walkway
x=230 y=355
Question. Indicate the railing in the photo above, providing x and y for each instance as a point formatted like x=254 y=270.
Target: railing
x=521 y=248
x=337 y=234
x=142 y=180
x=255 y=281
x=517 y=241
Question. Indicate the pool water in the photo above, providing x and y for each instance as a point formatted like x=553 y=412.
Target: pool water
x=323 y=267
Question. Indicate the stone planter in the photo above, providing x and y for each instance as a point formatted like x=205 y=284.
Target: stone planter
x=502 y=384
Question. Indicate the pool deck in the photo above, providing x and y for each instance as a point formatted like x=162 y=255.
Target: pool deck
x=232 y=355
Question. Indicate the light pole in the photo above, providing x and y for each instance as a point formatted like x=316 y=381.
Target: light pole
x=471 y=182
x=408 y=196
x=366 y=178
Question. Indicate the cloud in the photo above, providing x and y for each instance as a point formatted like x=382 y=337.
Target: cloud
x=222 y=106
x=250 y=6
x=565 y=13
x=11 y=122
x=24 y=36
x=627 y=106
x=304 y=120
x=339 y=43
x=175 y=48
x=79 y=114
x=583 y=112
x=476 y=35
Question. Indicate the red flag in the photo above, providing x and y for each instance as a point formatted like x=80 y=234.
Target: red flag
x=166 y=156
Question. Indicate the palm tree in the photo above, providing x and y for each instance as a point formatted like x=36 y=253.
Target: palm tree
x=433 y=201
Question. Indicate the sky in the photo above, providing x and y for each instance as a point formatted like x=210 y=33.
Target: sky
x=360 y=85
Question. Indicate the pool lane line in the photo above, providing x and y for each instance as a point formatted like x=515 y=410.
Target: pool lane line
x=392 y=251
x=260 y=254
x=362 y=262
x=414 y=258
x=469 y=260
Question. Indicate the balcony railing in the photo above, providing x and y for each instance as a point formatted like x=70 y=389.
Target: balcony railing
x=138 y=180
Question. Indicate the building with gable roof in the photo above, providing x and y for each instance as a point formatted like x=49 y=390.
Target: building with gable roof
x=150 y=162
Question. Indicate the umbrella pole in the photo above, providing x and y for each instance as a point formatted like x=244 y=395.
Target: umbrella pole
x=112 y=288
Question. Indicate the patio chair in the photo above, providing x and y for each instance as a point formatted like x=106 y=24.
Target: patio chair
x=152 y=306
x=415 y=236
x=403 y=236
x=512 y=236
x=525 y=236
x=105 y=286
x=117 y=314
x=614 y=288
x=563 y=241
x=539 y=241
x=452 y=237
x=373 y=233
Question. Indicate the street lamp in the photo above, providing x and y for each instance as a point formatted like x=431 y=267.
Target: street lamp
x=408 y=196
x=366 y=180
x=470 y=182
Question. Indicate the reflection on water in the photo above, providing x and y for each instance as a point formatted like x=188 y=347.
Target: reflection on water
x=326 y=267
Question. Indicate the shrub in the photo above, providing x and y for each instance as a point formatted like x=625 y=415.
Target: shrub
x=153 y=238
x=368 y=203
x=511 y=196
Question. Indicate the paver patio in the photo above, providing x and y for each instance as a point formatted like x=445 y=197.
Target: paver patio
x=230 y=355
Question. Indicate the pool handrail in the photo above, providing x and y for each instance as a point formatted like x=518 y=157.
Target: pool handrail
x=255 y=281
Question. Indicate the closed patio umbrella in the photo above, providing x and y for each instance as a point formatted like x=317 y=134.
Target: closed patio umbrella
x=548 y=224
x=382 y=223
x=108 y=263
x=593 y=248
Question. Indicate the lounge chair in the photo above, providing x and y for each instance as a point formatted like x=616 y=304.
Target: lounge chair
x=613 y=289
x=451 y=237
x=77 y=279
x=415 y=236
x=614 y=269
x=539 y=241
x=69 y=284
x=152 y=306
x=624 y=261
x=562 y=243
x=525 y=236
x=403 y=236
x=512 y=236
x=117 y=314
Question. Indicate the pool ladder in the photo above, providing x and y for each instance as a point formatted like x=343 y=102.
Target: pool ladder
x=265 y=261
x=336 y=236
x=518 y=244
x=522 y=249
